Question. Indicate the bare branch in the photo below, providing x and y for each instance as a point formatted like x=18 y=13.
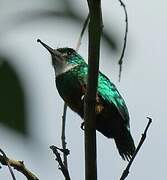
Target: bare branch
x=63 y=169
x=63 y=136
x=125 y=40
x=18 y=165
x=95 y=29
x=65 y=151
x=82 y=32
x=62 y=163
x=126 y=171
x=8 y=164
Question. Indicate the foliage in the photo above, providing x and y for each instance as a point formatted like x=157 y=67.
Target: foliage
x=12 y=103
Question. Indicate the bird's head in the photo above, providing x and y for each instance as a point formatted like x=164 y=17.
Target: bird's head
x=63 y=59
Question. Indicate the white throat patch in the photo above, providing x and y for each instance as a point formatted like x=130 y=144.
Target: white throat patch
x=62 y=68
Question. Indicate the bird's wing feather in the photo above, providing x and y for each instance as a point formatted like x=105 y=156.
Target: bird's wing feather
x=110 y=94
x=108 y=91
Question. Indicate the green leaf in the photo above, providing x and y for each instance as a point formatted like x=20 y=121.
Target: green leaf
x=12 y=106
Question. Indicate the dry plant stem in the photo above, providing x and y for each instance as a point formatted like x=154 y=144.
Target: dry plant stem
x=126 y=171
x=63 y=169
x=125 y=40
x=82 y=33
x=94 y=30
x=19 y=166
x=63 y=136
x=8 y=164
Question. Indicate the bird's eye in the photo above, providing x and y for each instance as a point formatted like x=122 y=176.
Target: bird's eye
x=69 y=53
x=65 y=54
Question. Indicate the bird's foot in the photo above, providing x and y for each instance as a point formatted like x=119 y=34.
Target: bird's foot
x=83 y=126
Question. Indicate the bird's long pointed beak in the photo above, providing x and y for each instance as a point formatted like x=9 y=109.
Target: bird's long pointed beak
x=51 y=50
x=46 y=46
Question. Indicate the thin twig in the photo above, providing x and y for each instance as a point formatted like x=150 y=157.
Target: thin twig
x=125 y=40
x=8 y=164
x=126 y=171
x=63 y=136
x=63 y=169
x=82 y=32
x=65 y=151
x=19 y=166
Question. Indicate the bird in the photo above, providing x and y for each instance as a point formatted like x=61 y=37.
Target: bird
x=112 y=117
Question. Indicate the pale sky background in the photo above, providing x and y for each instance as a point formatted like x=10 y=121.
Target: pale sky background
x=143 y=87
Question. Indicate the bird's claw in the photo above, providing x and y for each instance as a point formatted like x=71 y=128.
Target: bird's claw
x=83 y=126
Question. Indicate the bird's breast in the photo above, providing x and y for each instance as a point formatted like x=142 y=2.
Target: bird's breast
x=71 y=91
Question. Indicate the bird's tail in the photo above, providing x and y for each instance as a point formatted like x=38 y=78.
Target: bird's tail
x=125 y=145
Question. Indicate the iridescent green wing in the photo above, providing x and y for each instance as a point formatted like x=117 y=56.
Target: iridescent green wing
x=106 y=90
x=110 y=94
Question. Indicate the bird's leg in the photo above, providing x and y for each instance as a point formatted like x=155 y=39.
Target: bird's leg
x=98 y=106
x=83 y=123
